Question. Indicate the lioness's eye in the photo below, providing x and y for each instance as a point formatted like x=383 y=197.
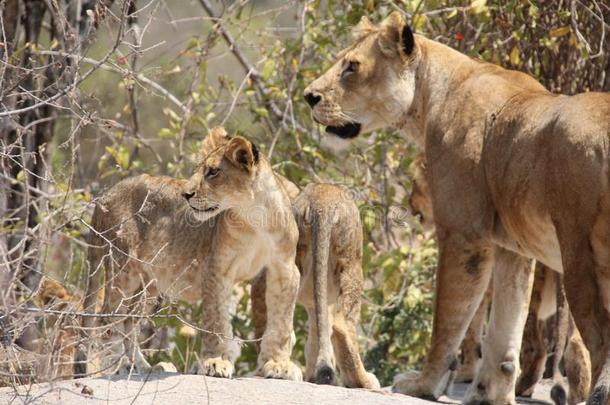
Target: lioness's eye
x=351 y=67
x=211 y=172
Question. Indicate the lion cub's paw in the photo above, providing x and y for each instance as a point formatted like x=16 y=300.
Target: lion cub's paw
x=285 y=370
x=411 y=383
x=216 y=367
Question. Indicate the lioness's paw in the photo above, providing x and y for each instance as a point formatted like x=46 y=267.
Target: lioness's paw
x=285 y=370
x=216 y=367
x=411 y=384
x=373 y=382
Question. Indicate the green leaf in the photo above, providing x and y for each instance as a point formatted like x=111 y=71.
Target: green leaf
x=166 y=133
x=268 y=69
x=262 y=112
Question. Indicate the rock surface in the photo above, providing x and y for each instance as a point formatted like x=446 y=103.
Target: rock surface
x=180 y=389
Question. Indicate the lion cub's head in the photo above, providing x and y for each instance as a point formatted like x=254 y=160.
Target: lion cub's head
x=225 y=176
x=372 y=83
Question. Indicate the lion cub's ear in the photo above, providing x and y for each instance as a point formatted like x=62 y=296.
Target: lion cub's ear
x=396 y=37
x=214 y=140
x=242 y=153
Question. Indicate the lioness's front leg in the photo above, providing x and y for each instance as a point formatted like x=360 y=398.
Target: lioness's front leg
x=278 y=339
x=464 y=269
x=512 y=287
x=219 y=350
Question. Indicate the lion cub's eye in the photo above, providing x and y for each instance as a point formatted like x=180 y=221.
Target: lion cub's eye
x=211 y=172
x=352 y=67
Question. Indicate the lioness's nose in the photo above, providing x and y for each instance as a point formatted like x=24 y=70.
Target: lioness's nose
x=187 y=195
x=312 y=99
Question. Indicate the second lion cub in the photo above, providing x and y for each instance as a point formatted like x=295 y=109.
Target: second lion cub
x=329 y=257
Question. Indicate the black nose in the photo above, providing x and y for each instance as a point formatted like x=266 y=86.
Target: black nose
x=312 y=99
x=187 y=195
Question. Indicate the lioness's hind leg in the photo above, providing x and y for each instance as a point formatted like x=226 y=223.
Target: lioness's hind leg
x=584 y=299
x=344 y=336
x=578 y=367
x=600 y=242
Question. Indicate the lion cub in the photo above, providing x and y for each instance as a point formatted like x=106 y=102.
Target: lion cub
x=194 y=240
x=329 y=256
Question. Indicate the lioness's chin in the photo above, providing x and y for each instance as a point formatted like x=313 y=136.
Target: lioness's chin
x=346 y=131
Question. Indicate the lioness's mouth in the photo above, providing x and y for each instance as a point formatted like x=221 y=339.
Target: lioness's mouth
x=347 y=131
x=209 y=209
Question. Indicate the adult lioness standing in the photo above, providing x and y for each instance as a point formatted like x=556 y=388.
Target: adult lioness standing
x=515 y=172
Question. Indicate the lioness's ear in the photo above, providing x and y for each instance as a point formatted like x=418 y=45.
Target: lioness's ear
x=396 y=37
x=215 y=139
x=242 y=153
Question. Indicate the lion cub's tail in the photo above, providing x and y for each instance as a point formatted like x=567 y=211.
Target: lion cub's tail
x=321 y=229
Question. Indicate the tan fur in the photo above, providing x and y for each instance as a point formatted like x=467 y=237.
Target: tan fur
x=420 y=204
x=549 y=309
x=543 y=305
x=194 y=240
x=329 y=256
x=58 y=346
x=514 y=172
x=578 y=367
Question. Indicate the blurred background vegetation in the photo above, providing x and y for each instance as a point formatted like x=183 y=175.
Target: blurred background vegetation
x=148 y=106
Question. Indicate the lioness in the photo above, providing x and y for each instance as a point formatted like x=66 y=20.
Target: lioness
x=543 y=305
x=194 y=240
x=515 y=172
x=329 y=256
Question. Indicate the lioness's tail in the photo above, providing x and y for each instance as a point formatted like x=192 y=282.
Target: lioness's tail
x=320 y=235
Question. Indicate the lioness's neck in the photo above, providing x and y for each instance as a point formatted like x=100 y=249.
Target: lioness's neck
x=442 y=73
x=435 y=73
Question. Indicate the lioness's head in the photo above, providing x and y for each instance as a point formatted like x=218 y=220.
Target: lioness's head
x=372 y=83
x=225 y=175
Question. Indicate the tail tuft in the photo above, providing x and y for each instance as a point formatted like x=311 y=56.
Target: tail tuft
x=558 y=395
x=326 y=375
x=599 y=396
